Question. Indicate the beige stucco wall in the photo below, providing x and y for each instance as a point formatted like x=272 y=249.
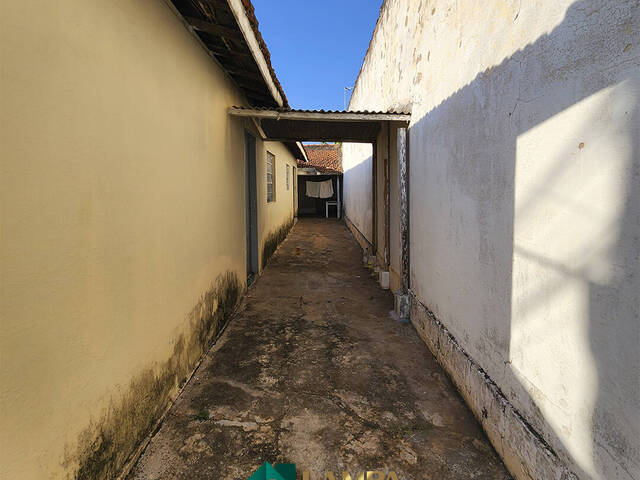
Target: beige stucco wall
x=122 y=197
x=273 y=215
x=524 y=172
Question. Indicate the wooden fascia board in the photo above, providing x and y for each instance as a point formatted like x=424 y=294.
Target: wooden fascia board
x=303 y=151
x=252 y=42
x=208 y=27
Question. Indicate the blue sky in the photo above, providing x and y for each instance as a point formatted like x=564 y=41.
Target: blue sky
x=317 y=46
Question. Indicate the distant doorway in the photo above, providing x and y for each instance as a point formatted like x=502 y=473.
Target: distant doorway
x=252 y=206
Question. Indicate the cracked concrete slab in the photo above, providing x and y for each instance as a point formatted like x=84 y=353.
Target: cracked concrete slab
x=314 y=371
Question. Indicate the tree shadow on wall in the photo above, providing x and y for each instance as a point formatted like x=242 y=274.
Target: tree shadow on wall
x=614 y=332
x=468 y=144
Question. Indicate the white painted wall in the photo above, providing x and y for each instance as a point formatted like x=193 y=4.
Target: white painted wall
x=356 y=163
x=525 y=183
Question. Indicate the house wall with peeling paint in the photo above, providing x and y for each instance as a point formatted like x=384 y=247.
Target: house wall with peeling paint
x=524 y=218
x=123 y=226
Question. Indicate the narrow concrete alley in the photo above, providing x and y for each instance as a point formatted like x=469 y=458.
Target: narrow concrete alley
x=314 y=371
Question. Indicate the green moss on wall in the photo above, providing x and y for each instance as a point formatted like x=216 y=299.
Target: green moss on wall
x=106 y=445
x=273 y=240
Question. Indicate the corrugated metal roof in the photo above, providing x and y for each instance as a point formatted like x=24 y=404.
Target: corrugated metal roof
x=285 y=124
x=297 y=110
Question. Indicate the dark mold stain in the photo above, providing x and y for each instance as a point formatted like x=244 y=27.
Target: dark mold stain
x=106 y=445
x=273 y=240
x=315 y=372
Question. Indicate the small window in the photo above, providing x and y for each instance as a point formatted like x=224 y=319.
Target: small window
x=271 y=180
x=287 y=176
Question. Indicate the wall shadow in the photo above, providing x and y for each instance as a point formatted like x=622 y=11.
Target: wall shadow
x=470 y=142
x=360 y=177
x=614 y=330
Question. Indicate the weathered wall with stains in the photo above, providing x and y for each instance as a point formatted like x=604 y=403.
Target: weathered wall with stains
x=524 y=211
x=123 y=226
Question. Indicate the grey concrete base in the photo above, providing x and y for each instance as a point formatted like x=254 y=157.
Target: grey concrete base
x=523 y=450
x=401 y=305
x=270 y=401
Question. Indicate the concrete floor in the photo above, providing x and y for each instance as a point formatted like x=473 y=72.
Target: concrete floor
x=314 y=371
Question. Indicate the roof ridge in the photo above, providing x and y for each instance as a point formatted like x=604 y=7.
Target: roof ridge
x=324 y=158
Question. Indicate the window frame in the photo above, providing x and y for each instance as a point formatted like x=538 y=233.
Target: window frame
x=287 y=175
x=271 y=176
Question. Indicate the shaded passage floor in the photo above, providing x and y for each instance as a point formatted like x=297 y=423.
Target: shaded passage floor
x=314 y=371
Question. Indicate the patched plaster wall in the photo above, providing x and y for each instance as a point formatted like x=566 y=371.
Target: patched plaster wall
x=524 y=195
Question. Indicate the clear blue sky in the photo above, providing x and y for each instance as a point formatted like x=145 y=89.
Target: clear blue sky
x=317 y=46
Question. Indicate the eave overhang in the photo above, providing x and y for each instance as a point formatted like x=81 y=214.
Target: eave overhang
x=228 y=30
x=318 y=125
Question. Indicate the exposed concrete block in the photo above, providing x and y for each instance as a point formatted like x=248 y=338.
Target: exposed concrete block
x=383 y=278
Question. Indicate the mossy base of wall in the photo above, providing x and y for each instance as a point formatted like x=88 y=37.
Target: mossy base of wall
x=274 y=239
x=108 y=443
x=522 y=449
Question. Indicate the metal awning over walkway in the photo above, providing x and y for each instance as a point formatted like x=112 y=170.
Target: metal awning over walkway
x=286 y=125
